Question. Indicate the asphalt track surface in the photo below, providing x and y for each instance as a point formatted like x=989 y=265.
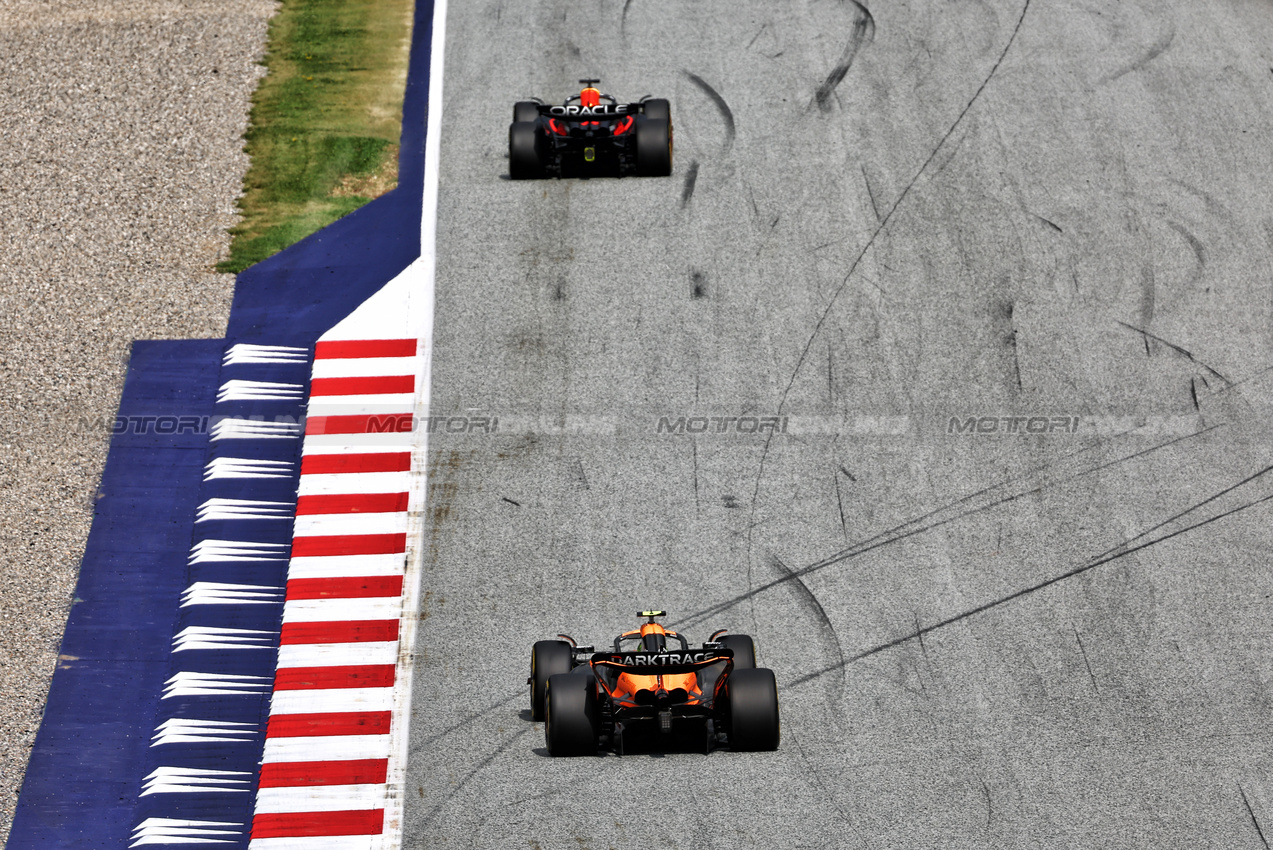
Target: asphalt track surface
x=878 y=221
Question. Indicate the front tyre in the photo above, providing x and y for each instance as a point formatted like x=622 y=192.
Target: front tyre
x=653 y=147
x=547 y=659
x=753 y=710
x=524 y=160
x=570 y=716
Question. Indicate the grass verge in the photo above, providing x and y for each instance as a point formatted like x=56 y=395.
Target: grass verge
x=325 y=122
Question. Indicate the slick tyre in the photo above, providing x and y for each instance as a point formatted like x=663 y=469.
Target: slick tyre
x=753 y=710
x=524 y=160
x=658 y=109
x=744 y=650
x=525 y=111
x=547 y=659
x=570 y=716
x=653 y=147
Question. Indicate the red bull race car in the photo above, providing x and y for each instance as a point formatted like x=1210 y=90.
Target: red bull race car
x=591 y=134
x=653 y=688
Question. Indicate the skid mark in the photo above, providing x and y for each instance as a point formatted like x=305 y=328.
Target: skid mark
x=863 y=33
x=691 y=177
x=963 y=507
x=1255 y=822
x=458 y=786
x=1176 y=348
x=923 y=169
x=725 y=111
x=1024 y=592
x=1155 y=50
x=810 y=602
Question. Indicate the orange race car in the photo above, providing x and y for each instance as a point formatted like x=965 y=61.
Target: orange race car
x=658 y=688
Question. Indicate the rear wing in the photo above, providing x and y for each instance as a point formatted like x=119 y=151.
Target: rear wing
x=666 y=663
x=575 y=112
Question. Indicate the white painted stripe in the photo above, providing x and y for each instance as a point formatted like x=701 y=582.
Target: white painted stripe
x=180 y=831
x=228 y=509
x=320 y=798
x=331 y=700
x=345 y=405
x=220 y=593
x=242 y=467
x=235 y=550
x=400 y=440
x=347 y=566
x=326 y=842
x=338 y=654
x=364 y=367
x=248 y=353
x=328 y=700
x=347 y=448
x=326 y=525
x=195 y=731
x=338 y=483
x=240 y=390
x=326 y=748
x=332 y=610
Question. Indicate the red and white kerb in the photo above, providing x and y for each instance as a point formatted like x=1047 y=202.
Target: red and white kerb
x=336 y=740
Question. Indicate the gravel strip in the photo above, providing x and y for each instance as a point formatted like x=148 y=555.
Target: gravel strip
x=121 y=156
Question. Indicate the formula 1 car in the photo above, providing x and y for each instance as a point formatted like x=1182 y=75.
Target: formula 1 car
x=660 y=690
x=591 y=134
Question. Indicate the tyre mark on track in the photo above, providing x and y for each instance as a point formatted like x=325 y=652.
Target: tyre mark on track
x=916 y=526
x=810 y=602
x=826 y=312
x=725 y=111
x=459 y=786
x=1189 y=510
x=1019 y=594
x=1086 y=663
x=1176 y=348
x=863 y=33
x=691 y=177
x=466 y=721
x=1155 y=50
x=896 y=204
x=1195 y=245
x=1251 y=814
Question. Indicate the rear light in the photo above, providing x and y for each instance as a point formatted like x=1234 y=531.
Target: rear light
x=623 y=126
x=555 y=127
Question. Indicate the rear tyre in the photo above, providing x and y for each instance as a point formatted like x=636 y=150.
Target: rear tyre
x=524 y=160
x=753 y=710
x=658 y=109
x=570 y=716
x=654 y=147
x=744 y=650
x=525 y=110
x=547 y=659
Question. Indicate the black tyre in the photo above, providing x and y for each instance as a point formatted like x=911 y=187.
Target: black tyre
x=525 y=110
x=547 y=658
x=570 y=716
x=659 y=109
x=753 y=710
x=654 y=147
x=524 y=161
x=744 y=650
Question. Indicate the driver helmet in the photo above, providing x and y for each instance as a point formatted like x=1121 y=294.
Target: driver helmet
x=589 y=97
